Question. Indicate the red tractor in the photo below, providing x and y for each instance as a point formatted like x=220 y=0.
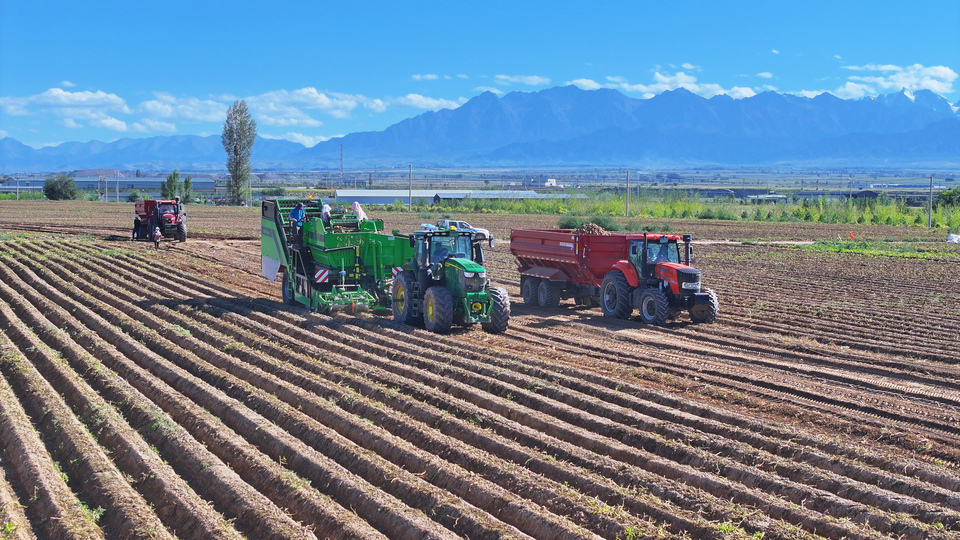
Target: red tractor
x=168 y=215
x=621 y=272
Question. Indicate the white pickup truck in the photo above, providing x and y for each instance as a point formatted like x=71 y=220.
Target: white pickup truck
x=478 y=233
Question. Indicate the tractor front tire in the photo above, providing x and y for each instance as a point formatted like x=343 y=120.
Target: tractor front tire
x=438 y=309
x=499 y=312
x=286 y=289
x=548 y=294
x=403 y=297
x=182 y=232
x=615 y=295
x=654 y=307
x=529 y=291
x=708 y=313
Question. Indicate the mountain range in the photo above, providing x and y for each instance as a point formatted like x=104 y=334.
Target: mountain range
x=570 y=127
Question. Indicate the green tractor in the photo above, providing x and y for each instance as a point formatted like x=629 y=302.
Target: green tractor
x=445 y=283
x=333 y=263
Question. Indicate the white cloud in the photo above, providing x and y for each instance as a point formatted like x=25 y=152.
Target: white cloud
x=190 y=108
x=375 y=105
x=938 y=79
x=584 y=84
x=109 y=123
x=774 y=51
x=689 y=67
x=71 y=123
x=531 y=80
x=422 y=102
x=305 y=140
x=663 y=82
x=2 y=133
x=765 y=75
x=67 y=84
x=462 y=76
x=148 y=125
x=426 y=77
x=496 y=91
x=63 y=103
x=851 y=90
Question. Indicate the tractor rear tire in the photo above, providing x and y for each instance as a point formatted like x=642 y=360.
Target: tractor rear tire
x=708 y=313
x=528 y=290
x=548 y=294
x=286 y=289
x=654 y=307
x=615 y=295
x=403 y=297
x=182 y=232
x=499 y=312
x=438 y=309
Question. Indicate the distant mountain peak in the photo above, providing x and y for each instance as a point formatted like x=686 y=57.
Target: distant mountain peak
x=570 y=126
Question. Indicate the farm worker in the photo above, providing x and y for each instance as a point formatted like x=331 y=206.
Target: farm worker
x=361 y=215
x=157 y=235
x=297 y=216
x=136 y=228
x=325 y=214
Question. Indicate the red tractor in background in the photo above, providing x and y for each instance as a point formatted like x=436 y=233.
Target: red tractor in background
x=166 y=214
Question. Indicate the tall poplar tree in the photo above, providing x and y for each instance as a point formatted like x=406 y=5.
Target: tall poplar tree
x=239 y=134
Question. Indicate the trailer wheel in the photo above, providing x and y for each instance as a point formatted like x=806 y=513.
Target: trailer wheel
x=548 y=294
x=654 y=307
x=708 y=313
x=499 y=312
x=529 y=290
x=182 y=232
x=438 y=309
x=403 y=297
x=615 y=295
x=286 y=289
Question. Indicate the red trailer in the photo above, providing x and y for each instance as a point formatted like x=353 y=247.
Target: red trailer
x=620 y=272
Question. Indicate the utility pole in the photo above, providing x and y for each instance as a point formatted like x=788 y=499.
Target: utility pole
x=18 y=186
x=930 y=205
x=627 y=214
x=410 y=202
x=341 y=164
x=118 y=184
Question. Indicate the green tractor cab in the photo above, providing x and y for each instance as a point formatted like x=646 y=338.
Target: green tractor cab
x=332 y=263
x=445 y=283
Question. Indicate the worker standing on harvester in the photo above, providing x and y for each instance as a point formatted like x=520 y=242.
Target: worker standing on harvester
x=297 y=216
x=358 y=211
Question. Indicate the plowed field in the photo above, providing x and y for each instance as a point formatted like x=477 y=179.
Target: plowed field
x=168 y=393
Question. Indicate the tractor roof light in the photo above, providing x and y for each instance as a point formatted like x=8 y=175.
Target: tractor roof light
x=687 y=238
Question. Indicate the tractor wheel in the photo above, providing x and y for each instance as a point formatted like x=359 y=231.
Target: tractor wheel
x=615 y=295
x=548 y=294
x=499 y=312
x=528 y=289
x=707 y=313
x=286 y=289
x=182 y=232
x=403 y=297
x=654 y=307
x=438 y=309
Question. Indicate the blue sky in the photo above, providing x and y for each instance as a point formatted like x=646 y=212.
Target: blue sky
x=313 y=70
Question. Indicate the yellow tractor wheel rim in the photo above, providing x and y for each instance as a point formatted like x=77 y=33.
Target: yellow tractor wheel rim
x=400 y=297
x=430 y=310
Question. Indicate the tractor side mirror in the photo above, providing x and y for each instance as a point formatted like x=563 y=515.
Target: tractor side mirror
x=413 y=242
x=492 y=242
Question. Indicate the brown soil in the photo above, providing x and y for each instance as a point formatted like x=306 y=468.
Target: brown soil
x=823 y=403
